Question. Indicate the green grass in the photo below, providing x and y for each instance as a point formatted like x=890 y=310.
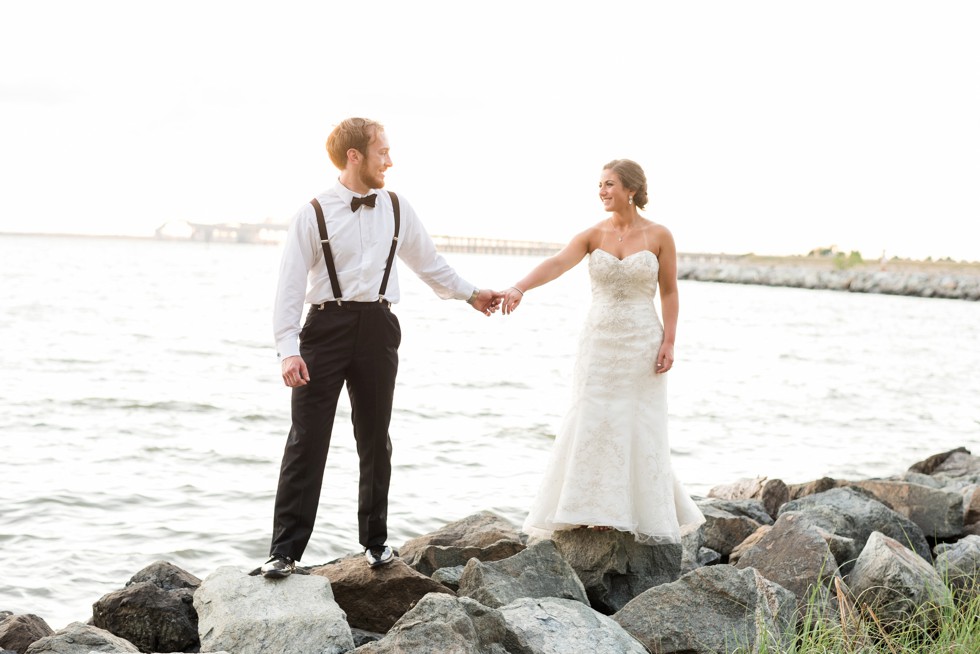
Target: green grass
x=856 y=628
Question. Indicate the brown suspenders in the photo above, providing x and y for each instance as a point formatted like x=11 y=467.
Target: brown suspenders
x=328 y=256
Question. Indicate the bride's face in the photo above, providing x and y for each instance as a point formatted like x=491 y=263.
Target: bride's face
x=614 y=196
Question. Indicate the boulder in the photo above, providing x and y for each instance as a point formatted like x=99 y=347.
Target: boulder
x=245 y=614
x=971 y=505
x=796 y=491
x=485 y=536
x=155 y=611
x=713 y=609
x=793 y=554
x=538 y=571
x=939 y=513
x=729 y=522
x=959 y=460
x=441 y=623
x=78 y=638
x=773 y=493
x=855 y=514
x=362 y=637
x=959 y=565
x=896 y=583
x=374 y=598
x=560 y=626
x=748 y=543
x=17 y=632
x=449 y=577
x=693 y=552
x=614 y=567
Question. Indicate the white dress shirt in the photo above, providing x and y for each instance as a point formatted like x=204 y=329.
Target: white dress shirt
x=360 y=242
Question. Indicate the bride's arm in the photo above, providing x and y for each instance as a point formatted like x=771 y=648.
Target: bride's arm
x=548 y=270
x=669 y=301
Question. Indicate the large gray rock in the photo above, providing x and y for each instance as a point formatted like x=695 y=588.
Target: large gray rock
x=971 y=504
x=374 y=598
x=251 y=615
x=17 y=632
x=896 y=583
x=78 y=638
x=613 y=567
x=773 y=493
x=538 y=571
x=796 y=491
x=449 y=577
x=855 y=514
x=748 y=544
x=711 y=610
x=729 y=522
x=485 y=536
x=793 y=554
x=561 y=626
x=693 y=552
x=937 y=512
x=442 y=624
x=959 y=564
x=155 y=611
x=956 y=463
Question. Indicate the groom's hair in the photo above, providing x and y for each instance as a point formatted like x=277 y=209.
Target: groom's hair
x=351 y=133
x=632 y=177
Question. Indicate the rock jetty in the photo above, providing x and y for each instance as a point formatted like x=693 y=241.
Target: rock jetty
x=962 y=285
x=769 y=554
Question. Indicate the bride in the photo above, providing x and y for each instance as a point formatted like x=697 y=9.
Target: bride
x=610 y=464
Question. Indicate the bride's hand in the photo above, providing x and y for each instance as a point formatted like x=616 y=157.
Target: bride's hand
x=512 y=298
x=665 y=358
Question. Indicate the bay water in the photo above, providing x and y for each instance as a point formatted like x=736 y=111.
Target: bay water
x=142 y=414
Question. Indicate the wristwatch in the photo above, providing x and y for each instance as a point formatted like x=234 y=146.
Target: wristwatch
x=476 y=294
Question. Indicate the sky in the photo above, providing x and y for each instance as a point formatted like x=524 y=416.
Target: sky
x=771 y=127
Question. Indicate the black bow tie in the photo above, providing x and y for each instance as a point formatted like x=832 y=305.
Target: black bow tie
x=367 y=200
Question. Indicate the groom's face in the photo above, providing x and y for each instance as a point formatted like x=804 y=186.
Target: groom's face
x=375 y=162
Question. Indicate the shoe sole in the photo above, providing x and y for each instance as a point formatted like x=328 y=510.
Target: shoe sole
x=378 y=564
x=277 y=574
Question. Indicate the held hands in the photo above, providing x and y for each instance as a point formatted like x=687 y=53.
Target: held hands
x=294 y=372
x=486 y=301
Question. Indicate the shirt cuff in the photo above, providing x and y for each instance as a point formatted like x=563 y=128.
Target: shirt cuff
x=465 y=290
x=288 y=347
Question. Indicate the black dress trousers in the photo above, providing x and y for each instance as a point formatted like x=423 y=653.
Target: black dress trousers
x=356 y=344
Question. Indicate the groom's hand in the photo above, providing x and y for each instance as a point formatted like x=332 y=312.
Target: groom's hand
x=294 y=372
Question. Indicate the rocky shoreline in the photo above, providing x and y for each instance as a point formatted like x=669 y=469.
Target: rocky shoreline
x=769 y=553
x=914 y=281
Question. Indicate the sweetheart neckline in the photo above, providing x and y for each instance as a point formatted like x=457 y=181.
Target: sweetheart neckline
x=624 y=258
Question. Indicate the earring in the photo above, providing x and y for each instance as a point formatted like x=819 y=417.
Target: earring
x=631 y=199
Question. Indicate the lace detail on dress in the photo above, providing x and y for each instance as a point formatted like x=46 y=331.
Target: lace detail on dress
x=610 y=464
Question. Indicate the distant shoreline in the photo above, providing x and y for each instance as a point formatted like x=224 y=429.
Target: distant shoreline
x=747 y=259
x=919 y=278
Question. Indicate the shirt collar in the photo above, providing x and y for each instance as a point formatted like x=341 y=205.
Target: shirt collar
x=346 y=194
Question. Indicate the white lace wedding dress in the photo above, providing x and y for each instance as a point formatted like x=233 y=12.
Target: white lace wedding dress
x=610 y=464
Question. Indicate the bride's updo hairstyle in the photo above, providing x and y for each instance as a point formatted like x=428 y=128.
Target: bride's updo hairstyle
x=632 y=177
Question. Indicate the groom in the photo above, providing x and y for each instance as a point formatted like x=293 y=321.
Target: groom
x=339 y=258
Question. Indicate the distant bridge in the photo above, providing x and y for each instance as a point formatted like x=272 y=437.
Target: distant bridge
x=481 y=245
x=269 y=232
